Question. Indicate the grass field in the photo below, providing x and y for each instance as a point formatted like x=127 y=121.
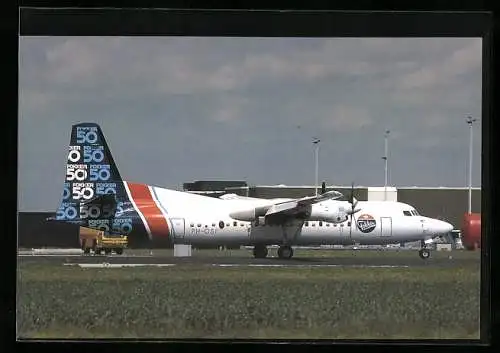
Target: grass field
x=57 y=301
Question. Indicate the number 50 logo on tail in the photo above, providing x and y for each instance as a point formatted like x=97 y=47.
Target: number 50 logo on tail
x=96 y=211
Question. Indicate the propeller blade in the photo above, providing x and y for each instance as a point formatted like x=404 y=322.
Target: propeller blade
x=351 y=212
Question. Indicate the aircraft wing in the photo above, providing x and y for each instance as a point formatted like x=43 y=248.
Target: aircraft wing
x=280 y=211
x=294 y=207
x=329 y=195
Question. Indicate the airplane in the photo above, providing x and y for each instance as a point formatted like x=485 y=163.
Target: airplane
x=394 y=227
x=95 y=196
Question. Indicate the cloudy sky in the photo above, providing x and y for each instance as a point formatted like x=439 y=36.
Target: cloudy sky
x=178 y=109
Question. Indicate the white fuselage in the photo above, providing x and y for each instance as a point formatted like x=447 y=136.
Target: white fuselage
x=196 y=219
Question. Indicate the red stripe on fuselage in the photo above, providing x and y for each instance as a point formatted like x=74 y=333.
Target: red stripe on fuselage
x=142 y=197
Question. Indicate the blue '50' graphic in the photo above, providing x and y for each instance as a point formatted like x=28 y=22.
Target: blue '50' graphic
x=92 y=156
x=99 y=172
x=83 y=136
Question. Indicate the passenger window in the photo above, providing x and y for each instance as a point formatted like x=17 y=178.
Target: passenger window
x=328 y=224
x=206 y=225
x=306 y=224
x=235 y=224
x=199 y=224
x=221 y=224
x=192 y=224
x=348 y=224
x=213 y=224
x=320 y=223
x=241 y=224
x=334 y=224
x=227 y=224
x=407 y=213
x=313 y=224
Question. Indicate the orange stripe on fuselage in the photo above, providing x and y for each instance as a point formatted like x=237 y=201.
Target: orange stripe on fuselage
x=147 y=206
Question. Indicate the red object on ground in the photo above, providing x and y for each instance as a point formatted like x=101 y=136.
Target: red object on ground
x=471 y=231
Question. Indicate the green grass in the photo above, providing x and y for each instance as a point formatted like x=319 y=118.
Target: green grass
x=179 y=302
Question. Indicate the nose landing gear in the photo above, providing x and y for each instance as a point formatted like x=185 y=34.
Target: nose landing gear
x=424 y=253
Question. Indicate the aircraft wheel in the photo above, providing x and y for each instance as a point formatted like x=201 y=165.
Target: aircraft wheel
x=119 y=251
x=86 y=250
x=424 y=253
x=259 y=251
x=97 y=251
x=107 y=251
x=285 y=252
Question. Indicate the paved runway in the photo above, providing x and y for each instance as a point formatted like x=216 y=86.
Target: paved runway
x=387 y=260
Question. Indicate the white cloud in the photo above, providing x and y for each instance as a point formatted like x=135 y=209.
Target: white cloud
x=344 y=118
x=230 y=110
x=457 y=63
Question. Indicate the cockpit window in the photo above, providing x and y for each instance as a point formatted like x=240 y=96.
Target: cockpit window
x=407 y=213
x=415 y=212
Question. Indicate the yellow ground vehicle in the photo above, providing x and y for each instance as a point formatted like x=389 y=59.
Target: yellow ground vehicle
x=96 y=240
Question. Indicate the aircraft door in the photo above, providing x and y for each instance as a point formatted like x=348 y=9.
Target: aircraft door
x=386 y=226
x=178 y=227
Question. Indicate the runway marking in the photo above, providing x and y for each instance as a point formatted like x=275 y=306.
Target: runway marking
x=108 y=265
x=305 y=266
x=48 y=255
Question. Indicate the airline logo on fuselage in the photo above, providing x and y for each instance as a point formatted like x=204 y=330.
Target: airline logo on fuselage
x=366 y=223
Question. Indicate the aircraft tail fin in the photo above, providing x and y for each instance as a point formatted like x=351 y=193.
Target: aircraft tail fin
x=93 y=188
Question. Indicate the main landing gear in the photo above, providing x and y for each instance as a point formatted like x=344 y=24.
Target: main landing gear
x=284 y=252
x=260 y=251
x=424 y=253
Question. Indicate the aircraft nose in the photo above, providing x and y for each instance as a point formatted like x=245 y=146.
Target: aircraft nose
x=441 y=227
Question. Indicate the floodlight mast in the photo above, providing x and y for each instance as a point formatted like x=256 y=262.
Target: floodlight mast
x=386 y=158
x=316 y=142
x=470 y=120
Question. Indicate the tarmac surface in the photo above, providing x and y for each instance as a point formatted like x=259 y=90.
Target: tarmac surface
x=388 y=259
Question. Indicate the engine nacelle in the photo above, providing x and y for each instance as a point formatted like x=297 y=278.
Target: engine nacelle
x=249 y=215
x=331 y=214
x=316 y=212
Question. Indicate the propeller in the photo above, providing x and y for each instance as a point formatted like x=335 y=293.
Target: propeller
x=353 y=210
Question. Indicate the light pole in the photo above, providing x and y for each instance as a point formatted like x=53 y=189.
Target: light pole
x=385 y=158
x=470 y=121
x=316 y=142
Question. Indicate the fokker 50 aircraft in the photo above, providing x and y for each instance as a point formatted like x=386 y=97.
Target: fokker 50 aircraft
x=95 y=196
